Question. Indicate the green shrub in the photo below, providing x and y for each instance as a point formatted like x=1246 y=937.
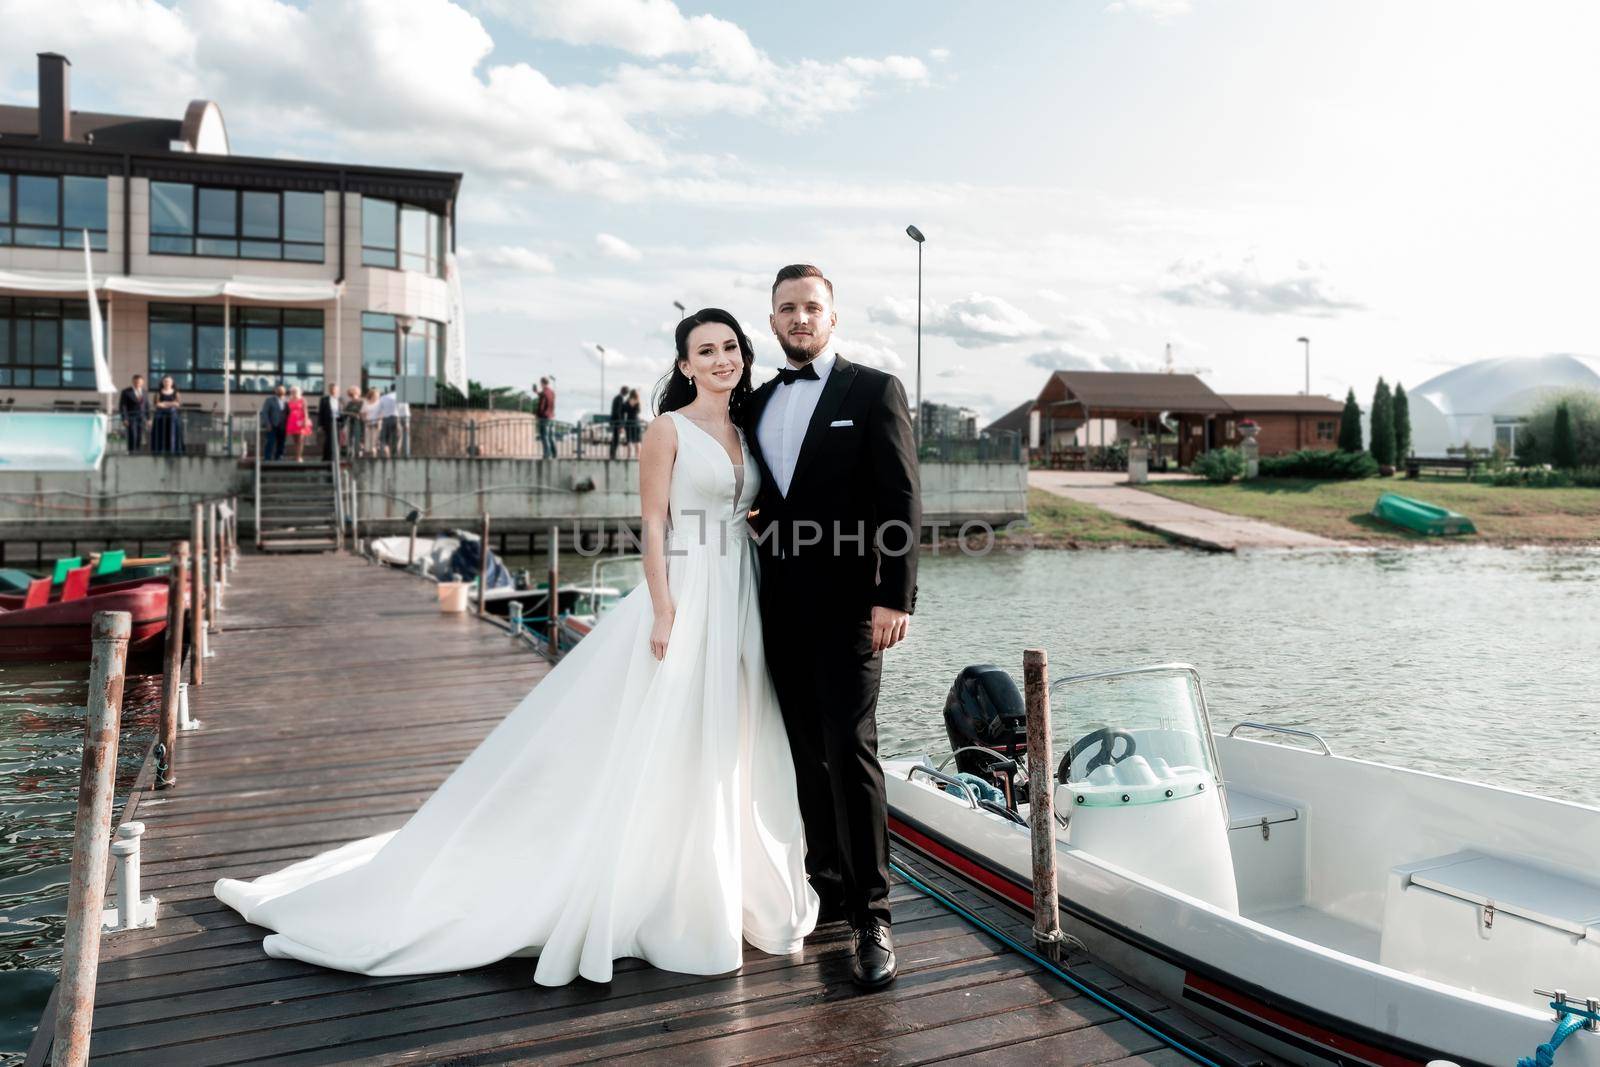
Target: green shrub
x=1220 y=465
x=1532 y=478
x=1350 y=424
x=1536 y=439
x=1402 y=424
x=1317 y=463
x=1563 y=446
x=1382 y=431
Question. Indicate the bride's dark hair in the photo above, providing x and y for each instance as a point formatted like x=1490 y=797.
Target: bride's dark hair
x=676 y=390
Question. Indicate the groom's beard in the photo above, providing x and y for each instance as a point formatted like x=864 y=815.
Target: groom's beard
x=802 y=353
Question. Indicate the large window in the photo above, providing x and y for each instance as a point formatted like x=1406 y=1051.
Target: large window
x=270 y=345
x=51 y=211
x=1327 y=429
x=390 y=353
x=46 y=344
x=401 y=236
x=190 y=220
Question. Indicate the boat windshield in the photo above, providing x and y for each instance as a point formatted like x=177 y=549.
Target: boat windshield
x=1137 y=735
x=611 y=579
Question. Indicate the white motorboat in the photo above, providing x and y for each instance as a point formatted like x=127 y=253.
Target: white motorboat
x=1322 y=908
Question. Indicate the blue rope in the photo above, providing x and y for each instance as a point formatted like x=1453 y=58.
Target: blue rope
x=1077 y=983
x=1569 y=1021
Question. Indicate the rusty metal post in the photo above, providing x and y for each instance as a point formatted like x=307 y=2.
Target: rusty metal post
x=553 y=601
x=172 y=665
x=91 y=843
x=483 y=566
x=197 y=596
x=1041 y=805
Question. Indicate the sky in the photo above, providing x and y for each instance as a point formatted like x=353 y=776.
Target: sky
x=1409 y=184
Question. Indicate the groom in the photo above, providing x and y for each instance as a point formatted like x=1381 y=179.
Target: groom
x=839 y=516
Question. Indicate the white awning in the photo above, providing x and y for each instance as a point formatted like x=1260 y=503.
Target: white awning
x=46 y=281
x=270 y=290
x=242 y=287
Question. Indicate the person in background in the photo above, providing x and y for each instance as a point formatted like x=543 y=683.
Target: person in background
x=619 y=416
x=328 y=421
x=370 y=420
x=403 y=411
x=134 y=405
x=352 y=420
x=635 y=427
x=298 y=425
x=275 y=421
x=545 y=413
x=167 y=433
x=389 y=417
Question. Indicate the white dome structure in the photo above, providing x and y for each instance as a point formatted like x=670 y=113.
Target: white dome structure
x=1481 y=403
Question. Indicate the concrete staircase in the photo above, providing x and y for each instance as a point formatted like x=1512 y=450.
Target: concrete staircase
x=299 y=511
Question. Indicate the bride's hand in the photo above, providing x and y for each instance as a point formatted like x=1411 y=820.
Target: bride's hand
x=660 y=633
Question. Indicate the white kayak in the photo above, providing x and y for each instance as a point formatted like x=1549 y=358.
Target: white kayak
x=1322 y=908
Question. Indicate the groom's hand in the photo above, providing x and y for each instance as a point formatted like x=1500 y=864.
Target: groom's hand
x=888 y=627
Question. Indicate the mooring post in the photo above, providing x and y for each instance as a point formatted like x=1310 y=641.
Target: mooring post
x=483 y=566
x=213 y=570
x=233 y=533
x=91 y=843
x=553 y=602
x=1041 y=805
x=172 y=666
x=197 y=595
x=514 y=613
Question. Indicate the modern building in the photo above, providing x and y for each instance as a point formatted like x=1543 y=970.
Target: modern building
x=948 y=421
x=1078 y=411
x=227 y=273
x=1483 y=404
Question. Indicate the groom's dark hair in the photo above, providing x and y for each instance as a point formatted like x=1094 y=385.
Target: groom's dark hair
x=800 y=270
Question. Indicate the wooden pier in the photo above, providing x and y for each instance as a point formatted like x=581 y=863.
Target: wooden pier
x=339 y=699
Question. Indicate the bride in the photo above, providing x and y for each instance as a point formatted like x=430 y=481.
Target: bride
x=640 y=801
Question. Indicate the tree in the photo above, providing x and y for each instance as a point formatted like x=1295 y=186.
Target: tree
x=1350 y=424
x=1563 y=445
x=1382 y=415
x=1402 y=424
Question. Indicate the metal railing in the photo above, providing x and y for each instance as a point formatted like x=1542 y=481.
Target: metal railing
x=1000 y=446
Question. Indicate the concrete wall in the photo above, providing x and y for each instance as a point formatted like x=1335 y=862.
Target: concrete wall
x=149 y=496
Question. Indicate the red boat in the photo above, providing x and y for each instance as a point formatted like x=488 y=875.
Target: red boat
x=34 y=627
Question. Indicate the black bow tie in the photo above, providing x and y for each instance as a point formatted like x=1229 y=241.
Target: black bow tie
x=788 y=375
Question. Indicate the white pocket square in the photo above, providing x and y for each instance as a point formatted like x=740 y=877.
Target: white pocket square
x=841 y=422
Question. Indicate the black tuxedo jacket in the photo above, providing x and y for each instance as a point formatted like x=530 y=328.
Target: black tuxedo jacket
x=856 y=475
x=327 y=411
x=133 y=404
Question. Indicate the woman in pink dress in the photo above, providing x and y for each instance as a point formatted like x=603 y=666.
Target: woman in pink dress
x=299 y=427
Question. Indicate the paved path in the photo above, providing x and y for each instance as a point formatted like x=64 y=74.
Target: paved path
x=1201 y=527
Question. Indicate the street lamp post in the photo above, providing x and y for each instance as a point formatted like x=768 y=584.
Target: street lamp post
x=602 y=350
x=1307 y=342
x=682 y=311
x=916 y=235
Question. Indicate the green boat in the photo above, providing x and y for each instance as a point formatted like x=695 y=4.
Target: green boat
x=1421 y=517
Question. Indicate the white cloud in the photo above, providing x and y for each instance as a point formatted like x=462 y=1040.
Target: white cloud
x=615 y=247
x=1071 y=357
x=1250 y=288
x=872 y=350
x=1087 y=326
x=1155 y=10
x=509 y=257
x=971 y=322
x=939 y=55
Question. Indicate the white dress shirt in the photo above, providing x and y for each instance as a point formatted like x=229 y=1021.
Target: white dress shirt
x=783 y=422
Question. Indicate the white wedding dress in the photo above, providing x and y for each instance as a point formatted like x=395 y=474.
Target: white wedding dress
x=627 y=807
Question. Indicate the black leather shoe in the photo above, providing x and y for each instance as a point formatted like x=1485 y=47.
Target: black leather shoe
x=874 y=965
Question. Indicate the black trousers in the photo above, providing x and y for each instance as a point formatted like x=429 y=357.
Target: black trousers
x=134 y=424
x=826 y=676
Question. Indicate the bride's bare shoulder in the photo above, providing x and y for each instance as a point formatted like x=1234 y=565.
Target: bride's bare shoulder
x=660 y=437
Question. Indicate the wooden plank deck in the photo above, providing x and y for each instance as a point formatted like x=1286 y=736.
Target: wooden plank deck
x=338 y=700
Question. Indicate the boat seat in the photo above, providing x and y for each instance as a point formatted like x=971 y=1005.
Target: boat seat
x=76 y=587
x=63 y=566
x=38 y=593
x=1493 y=925
x=1251 y=809
x=111 y=562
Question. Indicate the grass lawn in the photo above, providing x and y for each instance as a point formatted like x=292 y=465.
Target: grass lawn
x=1343 y=509
x=1055 y=521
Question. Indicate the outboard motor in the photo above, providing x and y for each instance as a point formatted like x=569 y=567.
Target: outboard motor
x=984 y=710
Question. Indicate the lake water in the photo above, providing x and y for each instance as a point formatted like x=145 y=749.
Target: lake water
x=1480 y=663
